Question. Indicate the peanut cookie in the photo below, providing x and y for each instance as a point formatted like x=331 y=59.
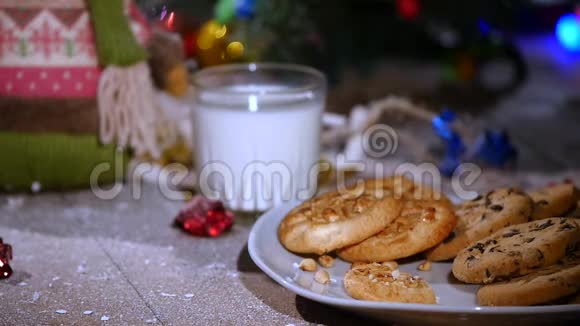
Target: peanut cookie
x=542 y=286
x=395 y=186
x=377 y=282
x=517 y=250
x=553 y=201
x=480 y=217
x=334 y=220
x=401 y=187
x=421 y=225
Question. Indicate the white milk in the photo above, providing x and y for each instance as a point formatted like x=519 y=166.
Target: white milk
x=261 y=153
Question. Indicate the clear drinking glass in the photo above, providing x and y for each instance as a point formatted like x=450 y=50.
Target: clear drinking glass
x=257 y=133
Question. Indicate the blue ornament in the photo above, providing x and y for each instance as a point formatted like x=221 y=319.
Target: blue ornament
x=245 y=9
x=455 y=148
x=495 y=149
x=492 y=148
x=226 y=10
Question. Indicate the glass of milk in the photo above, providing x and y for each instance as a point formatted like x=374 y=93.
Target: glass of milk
x=257 y=133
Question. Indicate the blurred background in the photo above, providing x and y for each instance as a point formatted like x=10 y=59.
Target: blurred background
x=510 y=64
x=465 y=54
x=510 y=67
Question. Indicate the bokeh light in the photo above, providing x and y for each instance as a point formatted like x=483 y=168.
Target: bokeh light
x=235 y=49
x=568 y=32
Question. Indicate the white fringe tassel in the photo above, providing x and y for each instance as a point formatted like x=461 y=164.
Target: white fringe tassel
x=129 y=112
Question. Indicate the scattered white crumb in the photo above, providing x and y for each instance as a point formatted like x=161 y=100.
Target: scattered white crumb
x=163 y=294
x=22 y=284
x=35 y=186
x=189 y=295
x=105 y=318
x=87 y=312
x=15 y=202
x=67 y=283
x=78 y=212
x=121 y=206
x=35 y=296
x=216 y=265
x=233 y=274
x=56 y=278
x=290 y=325
x=147 y=261
x=150 y=321
x=60 y=311
x=100 y=277
x=296 y=265
x=82 y=268
x=163 y=264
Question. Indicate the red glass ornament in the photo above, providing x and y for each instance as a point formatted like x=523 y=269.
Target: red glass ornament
x=204 y=217
x=5 y=269
x=5 y=256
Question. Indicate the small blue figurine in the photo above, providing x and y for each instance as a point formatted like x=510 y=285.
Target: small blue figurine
x=442 y=124
x=492 y=148
x=495 y=149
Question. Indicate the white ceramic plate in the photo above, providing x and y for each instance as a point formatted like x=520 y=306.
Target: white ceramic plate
x=456 y=301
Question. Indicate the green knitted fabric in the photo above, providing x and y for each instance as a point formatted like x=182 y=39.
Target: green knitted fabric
x=56 y=161
x=116 y=44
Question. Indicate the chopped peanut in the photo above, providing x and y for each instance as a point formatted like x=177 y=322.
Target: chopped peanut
x=326 y=261
x=391 y=264
x=322 y=277
x=424 y=266
x=308 y=265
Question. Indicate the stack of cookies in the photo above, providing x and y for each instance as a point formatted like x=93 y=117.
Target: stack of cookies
x=388 y=219
x=525 y=264
x=372 y=225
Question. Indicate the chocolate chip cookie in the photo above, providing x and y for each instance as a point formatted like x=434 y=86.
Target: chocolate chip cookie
x=574 y=299
x=542 y=286
x=575 y=211
x=480 y=217
x=553 y=201
x=517 y=250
